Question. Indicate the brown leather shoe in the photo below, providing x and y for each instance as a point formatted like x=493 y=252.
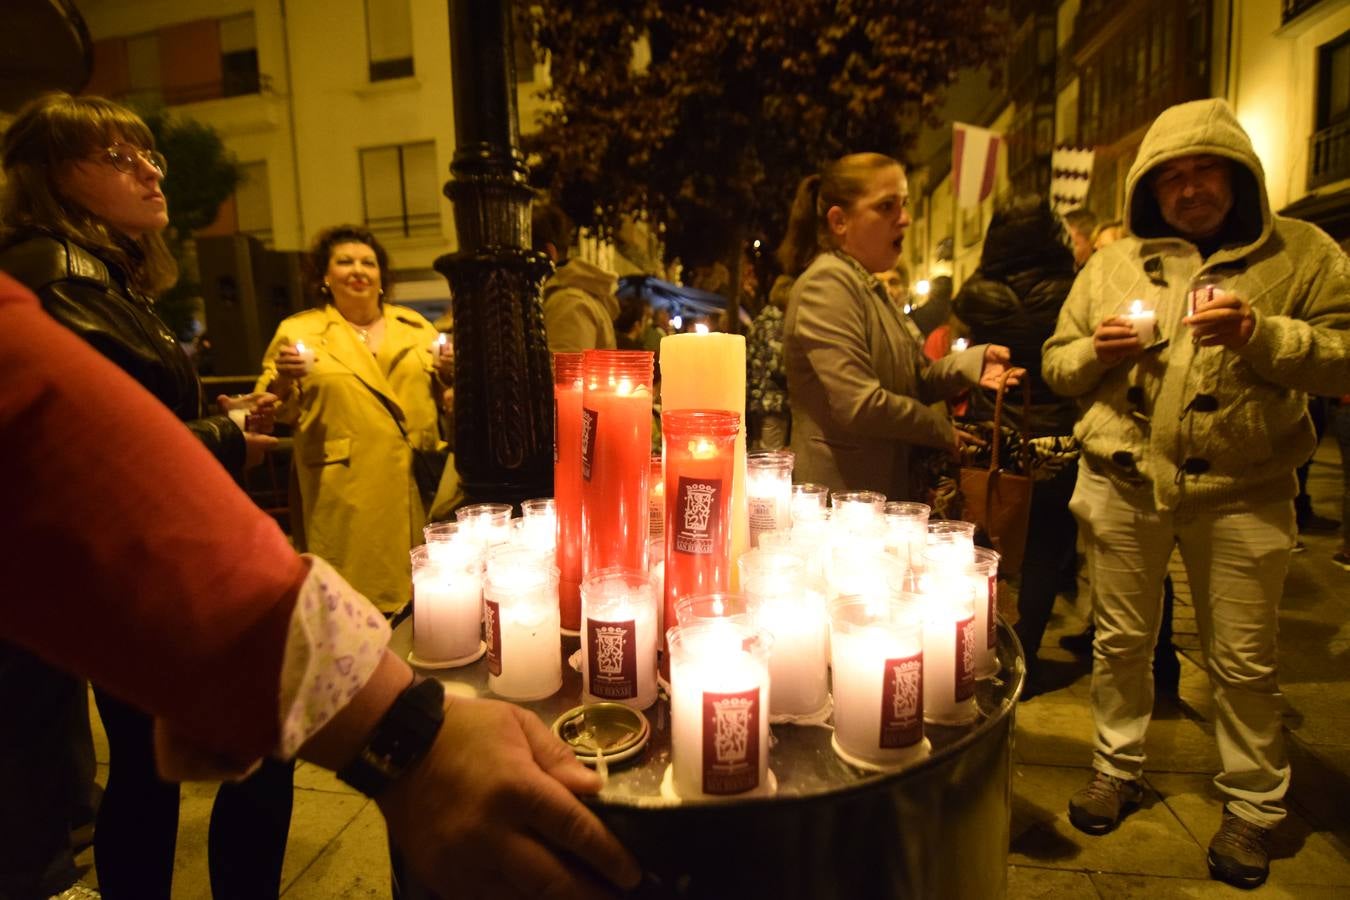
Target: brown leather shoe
x=1238 y=854
x=1098 y=807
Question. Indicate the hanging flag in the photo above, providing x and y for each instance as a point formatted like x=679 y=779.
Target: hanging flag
x=1070 y=175
x=974 y=153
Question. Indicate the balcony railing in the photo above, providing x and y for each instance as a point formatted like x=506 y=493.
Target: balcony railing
x=1292 y=9
x=406 y=225
x=1329 y=155
x=231 y=85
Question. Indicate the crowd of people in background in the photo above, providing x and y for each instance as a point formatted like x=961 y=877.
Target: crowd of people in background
x=1190 y=440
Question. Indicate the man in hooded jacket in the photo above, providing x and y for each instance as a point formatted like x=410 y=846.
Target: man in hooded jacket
x=1190 y=440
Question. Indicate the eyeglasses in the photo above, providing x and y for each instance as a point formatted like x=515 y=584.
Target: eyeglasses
x=127 y=158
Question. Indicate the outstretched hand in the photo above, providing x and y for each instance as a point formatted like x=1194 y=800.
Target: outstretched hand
x=490 y=812
x=997 y=361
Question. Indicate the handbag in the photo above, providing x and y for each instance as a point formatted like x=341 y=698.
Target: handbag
x=997 y=499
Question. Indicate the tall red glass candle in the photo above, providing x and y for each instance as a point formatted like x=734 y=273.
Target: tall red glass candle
x=700 y=453
x=567 y=389
x=616 y=452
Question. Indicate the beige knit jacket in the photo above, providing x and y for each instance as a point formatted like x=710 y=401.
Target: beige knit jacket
x=1141 y=424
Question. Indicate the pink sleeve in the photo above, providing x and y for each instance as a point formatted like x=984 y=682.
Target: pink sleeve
x=127 y=553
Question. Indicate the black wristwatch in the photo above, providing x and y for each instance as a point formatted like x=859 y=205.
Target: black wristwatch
x=401 y=738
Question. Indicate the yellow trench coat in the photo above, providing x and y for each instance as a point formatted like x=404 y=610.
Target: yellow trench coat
x=359 y=504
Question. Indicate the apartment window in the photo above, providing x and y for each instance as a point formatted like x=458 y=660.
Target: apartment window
x=145 y=85
x=389 y=39
x=238 y=56
x=1329 y=157
x=400 y=190
x=253 y=202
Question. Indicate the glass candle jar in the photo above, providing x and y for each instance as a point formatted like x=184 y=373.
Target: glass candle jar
x=567 y=391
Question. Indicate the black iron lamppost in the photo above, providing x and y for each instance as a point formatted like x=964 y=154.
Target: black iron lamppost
x=503 y=382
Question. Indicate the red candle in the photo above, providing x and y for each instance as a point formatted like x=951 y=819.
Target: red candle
x=700 y=455
x=567 y=381
x=616 y=451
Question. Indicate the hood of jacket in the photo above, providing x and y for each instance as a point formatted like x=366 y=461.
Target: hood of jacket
x=1188 y=129
x=577 y=274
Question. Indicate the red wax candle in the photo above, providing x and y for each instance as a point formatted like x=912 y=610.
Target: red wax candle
x=616 y=451
x=700 y=454
x=567 y=383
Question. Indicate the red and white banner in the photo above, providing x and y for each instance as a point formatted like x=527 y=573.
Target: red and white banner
x=974 y=154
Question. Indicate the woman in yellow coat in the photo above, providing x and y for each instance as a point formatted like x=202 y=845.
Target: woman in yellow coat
x=359 y=379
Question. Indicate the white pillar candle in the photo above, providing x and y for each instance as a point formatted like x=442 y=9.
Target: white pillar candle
x=859 y=566
x=719 y=710
x=768 y=487
x=949 y=641
x=1143 y=320
x=447 y=606
x=985 y=581
x=307 y=355
x=618 y=638
x=707 y=371
x=877 y=652
x=521 y=624
x=791 y=607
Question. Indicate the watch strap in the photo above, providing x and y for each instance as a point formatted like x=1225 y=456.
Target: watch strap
x=402 y=737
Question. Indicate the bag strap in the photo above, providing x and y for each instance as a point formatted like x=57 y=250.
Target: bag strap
x=998 y=417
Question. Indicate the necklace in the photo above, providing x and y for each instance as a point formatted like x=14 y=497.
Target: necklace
x=363 y=334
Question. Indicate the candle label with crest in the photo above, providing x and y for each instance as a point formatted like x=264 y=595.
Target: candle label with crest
x=763 y=517
x=611 y=649
x=965 y=659
x=991 y=633
x=699 y=509
x=492 y=621
x=902 y=702
x=590 y=421
x=731 y=742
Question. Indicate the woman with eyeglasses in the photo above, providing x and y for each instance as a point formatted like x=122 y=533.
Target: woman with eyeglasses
x=81 y=214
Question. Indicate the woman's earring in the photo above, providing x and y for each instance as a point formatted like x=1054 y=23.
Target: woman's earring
x=325 y=289
x=381 y=295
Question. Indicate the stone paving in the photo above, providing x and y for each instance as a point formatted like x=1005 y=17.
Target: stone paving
x=337 y=839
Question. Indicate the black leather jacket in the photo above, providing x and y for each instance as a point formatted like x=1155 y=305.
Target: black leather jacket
x=90 y=296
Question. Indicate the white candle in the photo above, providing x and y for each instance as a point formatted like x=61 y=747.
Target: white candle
x=857 y=512
x=949 y=641
x=707 y=371
x=791 y=607
x=490 y=521
x=878 y=681
x=521 y=624
x=719 y=711
x=907 y=531
x=1143 y=320
x=808 y=502
x=538 y=524
x=448 y=542
x=306 y=355
x=447 y=609
x=768 y=488
x=618 y=638
x=985 y=582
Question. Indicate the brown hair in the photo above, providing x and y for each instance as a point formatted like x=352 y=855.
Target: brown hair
x=321 y=251
x=49 y=133
x=840 y=183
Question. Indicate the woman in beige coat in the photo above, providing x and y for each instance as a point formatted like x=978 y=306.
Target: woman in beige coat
x=362 y=397
x=858 y=384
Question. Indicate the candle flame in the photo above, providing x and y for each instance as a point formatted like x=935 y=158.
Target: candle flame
x=442 y=338
x=703 y=449
x=959 y=344
x=719 y=608
x=700 y=328
x=1136 y=307
x=299 y=346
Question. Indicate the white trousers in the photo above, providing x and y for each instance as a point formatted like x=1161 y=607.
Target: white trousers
x=1236 y=564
